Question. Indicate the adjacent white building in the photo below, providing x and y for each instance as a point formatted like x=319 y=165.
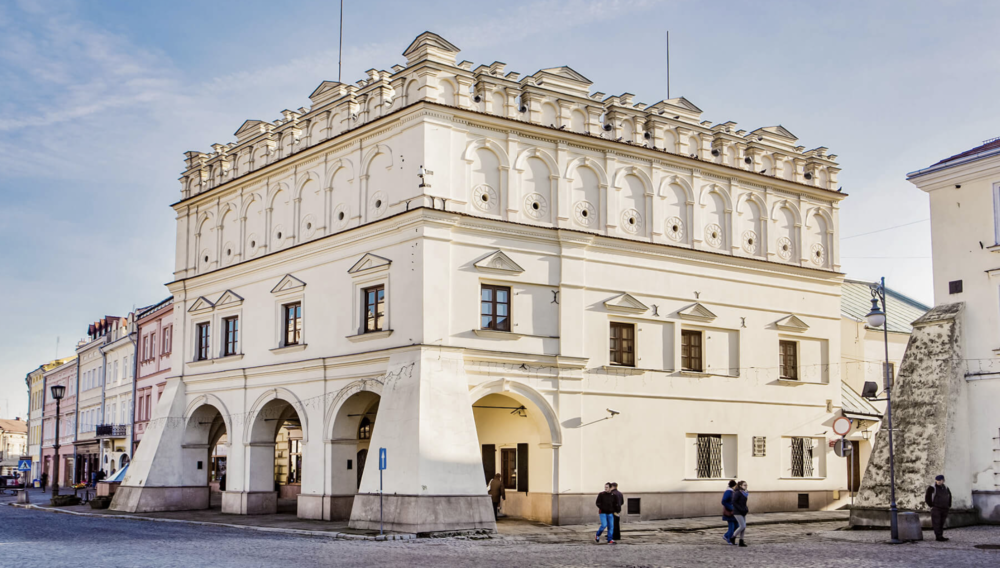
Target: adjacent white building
x=484 y=273
x=115 y=432
x=964 y=193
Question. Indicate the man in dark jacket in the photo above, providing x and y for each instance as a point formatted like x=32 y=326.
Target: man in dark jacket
x=606 y=503
x=497 y=492
x=618 y=510
x=938 y=498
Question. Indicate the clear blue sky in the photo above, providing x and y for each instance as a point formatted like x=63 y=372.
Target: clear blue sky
x=98 y=101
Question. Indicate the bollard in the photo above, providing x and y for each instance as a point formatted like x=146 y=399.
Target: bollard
x=909 y=527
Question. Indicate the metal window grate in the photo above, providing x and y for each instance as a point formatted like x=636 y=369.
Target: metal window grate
x=802 y=455
x=759 y=446
x=709 y=456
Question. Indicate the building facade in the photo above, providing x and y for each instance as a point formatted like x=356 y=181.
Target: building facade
x=35 y=381
x=115 y=432
x=62 y=375
x=964 y=193
x=13 y=445
x=91 y=398
x=482 y=273
x=155 y=329
x=863 y=352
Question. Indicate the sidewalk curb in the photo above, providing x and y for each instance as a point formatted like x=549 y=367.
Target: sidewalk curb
x=303 y=532
x=750 y=524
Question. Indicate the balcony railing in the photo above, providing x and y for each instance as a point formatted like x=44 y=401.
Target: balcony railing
x=110 y=431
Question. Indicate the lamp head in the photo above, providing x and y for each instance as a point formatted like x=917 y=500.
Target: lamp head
x=876 y=317
x=58 y=391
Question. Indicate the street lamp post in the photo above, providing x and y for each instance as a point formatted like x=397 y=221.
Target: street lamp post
x=57 y=393
x=877 y=318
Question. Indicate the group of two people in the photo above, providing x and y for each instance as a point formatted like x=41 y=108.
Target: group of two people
x=734 y=511
x=609 y=507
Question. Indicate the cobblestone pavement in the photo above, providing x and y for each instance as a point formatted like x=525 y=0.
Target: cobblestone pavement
x=31 y=538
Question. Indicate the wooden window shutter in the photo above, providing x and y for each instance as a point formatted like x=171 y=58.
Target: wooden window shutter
x=522 y=468
x=489 y=461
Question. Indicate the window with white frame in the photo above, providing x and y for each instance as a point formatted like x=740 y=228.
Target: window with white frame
x=711 y=456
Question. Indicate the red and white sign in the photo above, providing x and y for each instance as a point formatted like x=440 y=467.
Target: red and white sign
x=841 y=426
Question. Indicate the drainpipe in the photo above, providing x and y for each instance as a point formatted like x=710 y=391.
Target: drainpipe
x=104 y=390
x=76 y=424
x=135 y=377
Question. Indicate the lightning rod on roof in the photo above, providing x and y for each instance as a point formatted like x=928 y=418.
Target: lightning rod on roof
x=668 y=65
x=340 y=51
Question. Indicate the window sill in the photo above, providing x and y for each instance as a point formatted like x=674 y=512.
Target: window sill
x=229 y=358
x=370 y=335
x=797 y=382
x=289 y=348
x=494 y=334
x=801 y=478
x=632 y=370
x=201 y=363
x=707 y=478
x=706 y=374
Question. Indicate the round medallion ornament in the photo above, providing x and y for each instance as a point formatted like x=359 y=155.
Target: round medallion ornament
x=535 y=206
x=485 y=198
x=278 y=237
x=749 y=242
x=585 y=213
x=674 y=229
x=785 y=248
x=340 y=216
x=253 y=245
x=631 y=221
x=309 y=227
x=818 y=255
x=713 y=235
x=228 y=253
x=378 y=204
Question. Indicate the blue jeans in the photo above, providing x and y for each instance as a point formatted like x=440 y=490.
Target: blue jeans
x=732 y=527
x=607 y=522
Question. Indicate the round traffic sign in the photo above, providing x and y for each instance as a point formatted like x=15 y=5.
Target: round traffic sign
x=841 y=426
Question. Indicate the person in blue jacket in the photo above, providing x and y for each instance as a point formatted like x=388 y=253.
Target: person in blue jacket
x=727 y=513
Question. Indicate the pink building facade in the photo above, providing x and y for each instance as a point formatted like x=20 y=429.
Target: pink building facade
x=64 y=375
x=155 y=345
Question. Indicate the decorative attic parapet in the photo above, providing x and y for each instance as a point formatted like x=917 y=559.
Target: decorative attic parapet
x=556 y=97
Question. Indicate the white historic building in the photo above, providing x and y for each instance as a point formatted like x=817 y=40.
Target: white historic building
x=964 y=192
x=485 y=273
x=115 y=432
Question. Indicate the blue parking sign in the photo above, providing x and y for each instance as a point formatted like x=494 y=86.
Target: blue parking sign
x=381 y=458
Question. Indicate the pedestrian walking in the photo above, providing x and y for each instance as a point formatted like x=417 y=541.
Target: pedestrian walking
x=606 y=503
x=618 y=510
x=727 y=512
x=938 y=498
x=740 y=510
x=497 y=492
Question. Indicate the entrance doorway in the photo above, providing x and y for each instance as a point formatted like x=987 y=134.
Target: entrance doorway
x=514 y=440
x=206 y=430
x=353 y=428
x=854 y=467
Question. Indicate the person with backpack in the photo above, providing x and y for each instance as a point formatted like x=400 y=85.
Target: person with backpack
x=727 y=512
x=938 y=498
x=606 y=504
x=740 y=510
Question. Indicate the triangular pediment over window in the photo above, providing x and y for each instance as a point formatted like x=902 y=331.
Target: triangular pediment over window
x=229 y=298
x=498 y=262
x=288 y=284
x=202 y=304
x=626 y=303
x=697 y=312
x=369 y=262
x=791 y=322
